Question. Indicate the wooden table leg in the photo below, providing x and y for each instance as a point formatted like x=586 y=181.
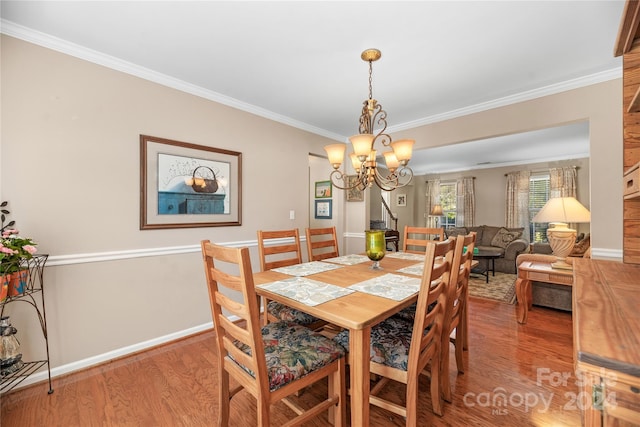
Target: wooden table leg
x=359 y=358
x=523 y=296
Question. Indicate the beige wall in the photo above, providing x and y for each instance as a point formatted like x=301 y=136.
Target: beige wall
x=600 y=104
x=490 y=186
x=70 y=168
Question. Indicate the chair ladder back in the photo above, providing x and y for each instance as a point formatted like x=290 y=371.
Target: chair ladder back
x=230 y=335
x=428 y=235
x=456 y=311
x=435 y=279
x=330 y=240
x=266 y=250
x=460 y=271
x=241 y=350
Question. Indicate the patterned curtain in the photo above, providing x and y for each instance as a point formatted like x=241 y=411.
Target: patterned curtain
x=562 y=182
x=517 y=214
x=432 y=197
x=466 y=202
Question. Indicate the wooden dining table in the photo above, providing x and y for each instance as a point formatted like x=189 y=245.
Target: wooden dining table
x=357 y=312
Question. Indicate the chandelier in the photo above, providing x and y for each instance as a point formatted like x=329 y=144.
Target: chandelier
x=364 y=154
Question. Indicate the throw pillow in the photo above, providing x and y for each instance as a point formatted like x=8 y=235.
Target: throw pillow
x=581 y=247
x=455 y=231
x=503 y=237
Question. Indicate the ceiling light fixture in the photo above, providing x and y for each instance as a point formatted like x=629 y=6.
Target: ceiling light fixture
x=363 y=157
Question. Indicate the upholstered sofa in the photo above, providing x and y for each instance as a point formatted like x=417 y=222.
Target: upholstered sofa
x=505 y=242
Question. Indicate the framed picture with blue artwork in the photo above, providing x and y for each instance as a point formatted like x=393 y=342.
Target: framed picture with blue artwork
x=188 y=185
x=323 y=209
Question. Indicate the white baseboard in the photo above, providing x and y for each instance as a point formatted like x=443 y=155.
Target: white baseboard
x=105 y=357
x=608 y=254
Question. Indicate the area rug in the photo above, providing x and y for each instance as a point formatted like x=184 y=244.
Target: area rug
x=501 y=287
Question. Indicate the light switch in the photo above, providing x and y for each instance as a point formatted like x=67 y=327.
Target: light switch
x=292 y=214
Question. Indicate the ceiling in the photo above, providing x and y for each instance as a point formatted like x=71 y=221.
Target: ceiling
x=299 y=63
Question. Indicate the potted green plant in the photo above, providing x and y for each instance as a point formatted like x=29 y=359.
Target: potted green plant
x=13 y=250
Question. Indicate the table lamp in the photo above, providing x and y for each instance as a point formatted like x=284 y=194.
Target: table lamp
x=558 y=212
x=436 y=211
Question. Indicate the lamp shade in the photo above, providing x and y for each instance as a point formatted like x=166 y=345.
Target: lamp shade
x=390 y=160
x=362 y=144
x=355 y=162
x=403 y=149
x=335 y=152
x=436 y=210
x=563 y=209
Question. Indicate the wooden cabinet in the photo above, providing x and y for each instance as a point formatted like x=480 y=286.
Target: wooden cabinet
x=628 y=45
x=606 y=342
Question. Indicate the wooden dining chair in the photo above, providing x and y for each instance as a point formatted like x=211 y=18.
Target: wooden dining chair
x=275 y=253
x=426 y=234
x=295 y=357
x=402 y=350
x=456 y=310
x=323 y=247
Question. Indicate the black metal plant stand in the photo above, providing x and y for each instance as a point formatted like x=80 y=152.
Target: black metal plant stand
x=33 y=287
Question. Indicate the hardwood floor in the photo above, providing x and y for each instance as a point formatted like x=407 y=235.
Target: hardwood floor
x=516 y=375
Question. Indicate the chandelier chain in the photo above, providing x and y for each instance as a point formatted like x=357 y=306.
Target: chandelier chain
x=370 y=80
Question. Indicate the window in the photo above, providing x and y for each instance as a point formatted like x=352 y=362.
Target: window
x=448 y=203
x=538 y=196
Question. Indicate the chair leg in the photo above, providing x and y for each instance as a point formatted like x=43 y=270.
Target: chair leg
x=224 y=398
x=337 y=387
x=459 y=350
x=412 y=401
x=436 y=386
x=464 y=321
x=444 y=371
x=262 y=412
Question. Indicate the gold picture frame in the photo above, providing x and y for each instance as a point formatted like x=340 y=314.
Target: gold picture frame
x=354 y=194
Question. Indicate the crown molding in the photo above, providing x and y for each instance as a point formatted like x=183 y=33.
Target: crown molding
x=42 y=39
x=603 y=76
x=54 y=43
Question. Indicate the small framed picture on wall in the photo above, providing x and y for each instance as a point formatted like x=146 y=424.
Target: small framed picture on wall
x=323 y=209
x=354 y=194
x=401 y=200
x=323 y=190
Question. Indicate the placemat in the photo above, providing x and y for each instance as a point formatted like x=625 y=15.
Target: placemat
x=307 y=268
x=405 y=255
x=307 y=291
x=415 y=269
x=349 y=259
x=391 y=286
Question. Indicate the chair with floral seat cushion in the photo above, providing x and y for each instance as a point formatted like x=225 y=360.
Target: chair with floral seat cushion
x=274 y=254
x=400 y=350
x=322 y=243
x=456 y=317
x=416 y=238
x=270 y=362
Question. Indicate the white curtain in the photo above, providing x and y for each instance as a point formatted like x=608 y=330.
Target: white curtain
x=517 y=213
x=562 y=182
x=466 y=202
x=432 y=197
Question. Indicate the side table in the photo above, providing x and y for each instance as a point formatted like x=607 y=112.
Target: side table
x=540 y=272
